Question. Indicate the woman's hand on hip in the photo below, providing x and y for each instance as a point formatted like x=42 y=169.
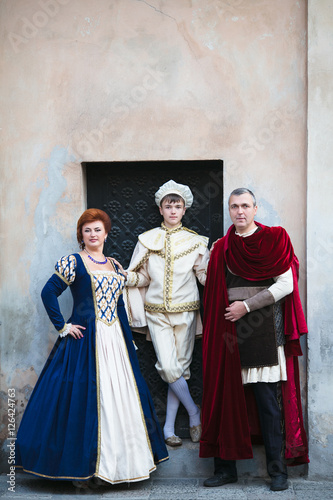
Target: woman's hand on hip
x=75 y=331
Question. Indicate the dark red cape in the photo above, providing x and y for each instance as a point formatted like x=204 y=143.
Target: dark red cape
x=226 y=429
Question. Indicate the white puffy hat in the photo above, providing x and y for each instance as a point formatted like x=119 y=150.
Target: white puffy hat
x=171 y=187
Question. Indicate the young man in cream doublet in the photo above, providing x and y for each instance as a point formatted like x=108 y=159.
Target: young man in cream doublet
x=162 y=294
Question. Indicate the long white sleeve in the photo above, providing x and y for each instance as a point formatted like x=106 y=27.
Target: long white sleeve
x=200 y=267
x=138 y=278
x=283 y=285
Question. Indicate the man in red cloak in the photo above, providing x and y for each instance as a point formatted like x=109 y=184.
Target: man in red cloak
x=253 y=320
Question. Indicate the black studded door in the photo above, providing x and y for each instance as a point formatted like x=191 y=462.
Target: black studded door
x=125 y=190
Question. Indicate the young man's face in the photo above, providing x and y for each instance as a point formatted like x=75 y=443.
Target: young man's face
x=172 y=212
x=242 y=212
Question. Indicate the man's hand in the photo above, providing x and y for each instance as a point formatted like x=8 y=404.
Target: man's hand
x=121 y=269
x=235 y=311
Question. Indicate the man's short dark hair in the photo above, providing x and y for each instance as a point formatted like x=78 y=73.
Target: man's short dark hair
x=239 y=191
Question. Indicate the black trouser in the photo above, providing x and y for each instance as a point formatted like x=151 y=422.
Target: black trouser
x=270 y=422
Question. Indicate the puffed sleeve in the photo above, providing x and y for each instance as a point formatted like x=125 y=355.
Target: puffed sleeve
x=64 y=276
x=65 y=268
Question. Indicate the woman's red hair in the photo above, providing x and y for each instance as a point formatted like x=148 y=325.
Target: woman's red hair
x=92 y=215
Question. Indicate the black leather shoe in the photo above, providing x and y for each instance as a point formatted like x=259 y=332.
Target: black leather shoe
x=279 y=483
x=220 y=479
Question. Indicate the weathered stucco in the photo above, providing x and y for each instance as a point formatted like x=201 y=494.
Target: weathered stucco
x=124 y=80
x=320 y=237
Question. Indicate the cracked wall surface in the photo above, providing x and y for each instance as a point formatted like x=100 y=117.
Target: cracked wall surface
x=320 y=238
x=126 y=80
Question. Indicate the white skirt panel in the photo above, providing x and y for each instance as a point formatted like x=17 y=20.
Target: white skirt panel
x=125 y=454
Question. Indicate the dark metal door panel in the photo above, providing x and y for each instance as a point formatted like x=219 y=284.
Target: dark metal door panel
x=125 y=190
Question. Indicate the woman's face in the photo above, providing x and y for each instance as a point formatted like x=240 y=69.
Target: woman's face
x=93 y=234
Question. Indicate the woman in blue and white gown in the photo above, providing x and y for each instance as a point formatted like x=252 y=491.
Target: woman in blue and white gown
x=91 y=413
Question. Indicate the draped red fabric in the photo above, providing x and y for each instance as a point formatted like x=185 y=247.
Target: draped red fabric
x=225 y=423
x=255 y=257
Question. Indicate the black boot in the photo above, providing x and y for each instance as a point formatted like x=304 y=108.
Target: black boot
x=279 y=483
x=225 y=473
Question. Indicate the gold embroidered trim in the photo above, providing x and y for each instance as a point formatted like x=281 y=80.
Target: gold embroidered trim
x=190 y=230
x=63 y=328
x=136 y=280
x=108 y=322
x=175 y=230
x=129 y=479
x=98 y=399
x=138 y=396
x=154 y=307
x=168 y=272
x=178 y=229
x=187 y=252
x=54 y=477
x=162 y=460
x=92 y=475
x=159 y=253
x=129 y=312
x=61 y=277
x=184 y=307
x=168 y=280
x=142 y=261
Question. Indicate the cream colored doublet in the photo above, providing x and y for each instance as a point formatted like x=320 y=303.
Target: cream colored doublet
x=166 y=263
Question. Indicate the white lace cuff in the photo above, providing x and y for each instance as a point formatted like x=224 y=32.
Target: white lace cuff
x=66 y=331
